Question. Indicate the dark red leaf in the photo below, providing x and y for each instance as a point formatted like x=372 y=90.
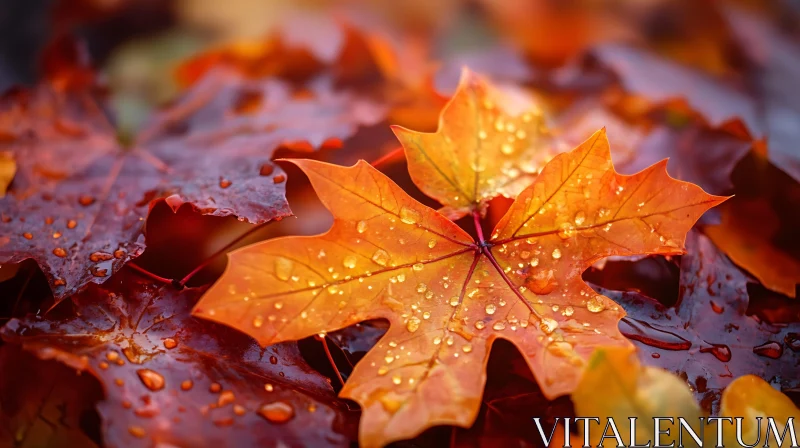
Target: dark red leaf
x=170 y=378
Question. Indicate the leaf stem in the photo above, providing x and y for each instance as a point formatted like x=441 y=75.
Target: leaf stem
x=182 y=282
x=488 y=252
x=149 y=274
x=476 y=217
x=324 y=341
x=388 y=157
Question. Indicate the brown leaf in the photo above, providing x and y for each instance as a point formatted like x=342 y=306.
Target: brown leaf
x=170 y=378
x=79 y=198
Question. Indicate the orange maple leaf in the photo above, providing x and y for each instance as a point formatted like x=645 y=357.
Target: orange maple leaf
x=447 y=296
x=490 y=142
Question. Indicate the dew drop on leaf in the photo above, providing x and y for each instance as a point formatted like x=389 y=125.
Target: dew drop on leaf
x=491 y=308
x=151 y=379
x=556 y=253
x=431 y=244
x=277 y=412
x=499 y=326
x=59 y=252
x=595 y=304
x=361 y=226
x=548 y=325
x=409 y=215
x=480 y=325
x=413 y=324
x=417 y=266
x=350 y=261
x=258 y=321
x=187 y=384
x=28 y=235
x=380 y=257
x=100 y=256
x=283 y=268
x=170 y=343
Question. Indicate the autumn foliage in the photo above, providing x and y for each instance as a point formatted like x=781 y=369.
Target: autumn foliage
x=601 y=226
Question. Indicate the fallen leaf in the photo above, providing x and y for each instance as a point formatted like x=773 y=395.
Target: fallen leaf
x=447 y=297
x=173 y=379
x=489 y=143
x=708 y=337
x=81 y=193
x=616 y=386
x=745 y=234
x=751 y=396
x=8 y=167
x=44 y=403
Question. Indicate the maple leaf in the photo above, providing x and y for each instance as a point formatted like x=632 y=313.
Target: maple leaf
x=708 y=336
x=78 y=201
x=44 y=403
x=489 y=143
x=697 y=153
x=447 y=297
x=170 y=378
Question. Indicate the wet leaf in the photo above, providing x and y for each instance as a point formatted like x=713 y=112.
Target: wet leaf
x=173 y=379
x=44 y=403
x=708 y=337
x=8 y=167
x=447 y=297
x=489 y=143
x=746 y=234
x=81 y=194
x=752 y=396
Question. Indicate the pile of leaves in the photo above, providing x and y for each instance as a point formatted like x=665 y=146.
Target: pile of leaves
x=592 y=212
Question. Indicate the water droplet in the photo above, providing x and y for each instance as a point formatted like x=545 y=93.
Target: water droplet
x=499 y=326
x=417 y=266
x=283 y=268
x=717 y=308
x=28 y=235
x=278 y=178
x=214 y=388
x=548 y=325
x=277 y=412
x=413 y=324
x=266 y=170
x=187 y=384
x=562 y=349
x=59 y=252
x=225 y=398
x=268 y=387
x=361 y=226
x=480 y=325
x=239 y=410
x=224 y=183
x=397 y=379
x=647 y=334
x=151 y=379
x=569 y=311
x=437 y=340
x=100 y=256
x=86 y=200
x=507 y=149
x=534 y=262
x=258 y=321
x=119 y=253
x=490 y=308
x=409 y=215
x=170 y=343
x=350 y=261
x=454 y=301
x=380 y=257
x=482 y=134
x=770 y=349
x=720 y=351
x=71 y=224
x=431 y=244
x=580 y=218
x=98 y=272
x=426 y=315
x=56 y=235
x=595 y=304
x=422 y=287
x=556 y=254
x=542 y=282
x=137 y=431
x=466 y=348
